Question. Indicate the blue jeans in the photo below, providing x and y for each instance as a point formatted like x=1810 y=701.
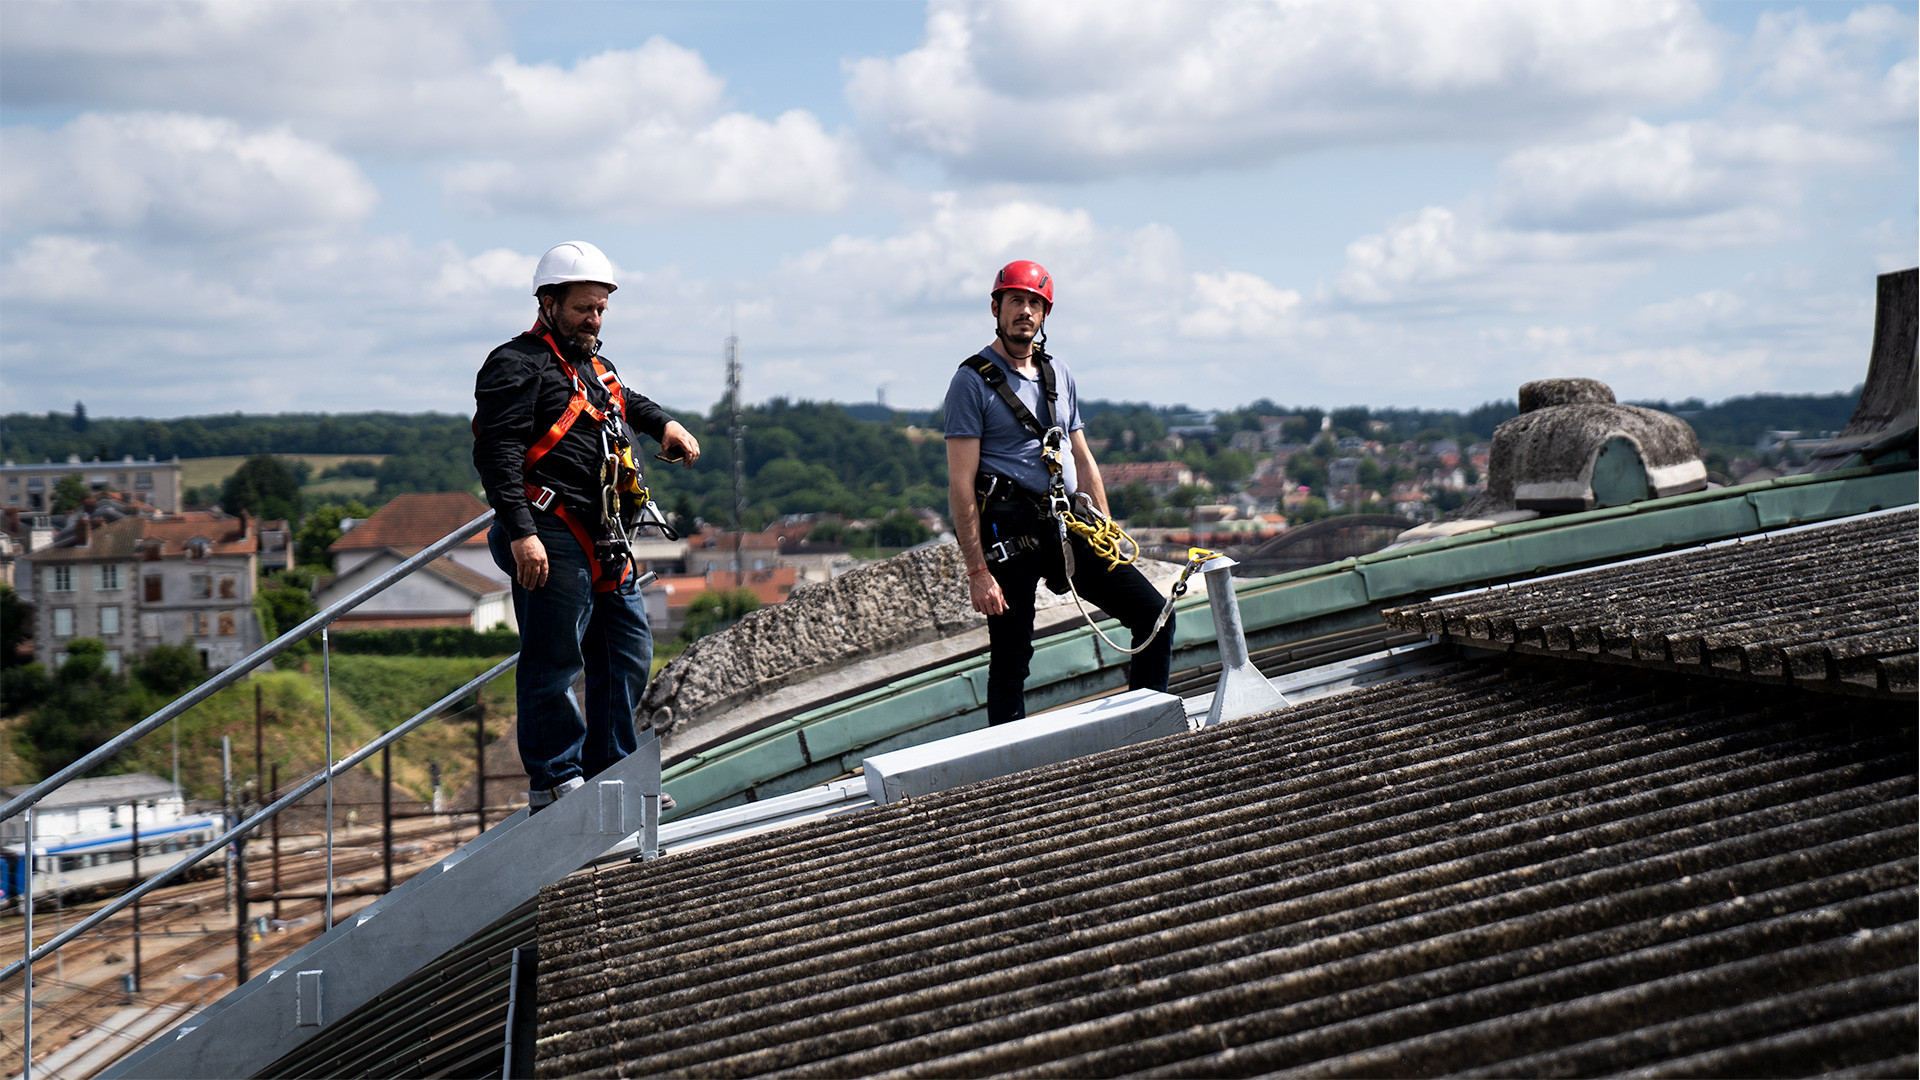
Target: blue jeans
x=565 y=628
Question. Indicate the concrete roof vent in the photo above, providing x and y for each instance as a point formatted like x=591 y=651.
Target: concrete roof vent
x=1542 y=393
x=1573 y=448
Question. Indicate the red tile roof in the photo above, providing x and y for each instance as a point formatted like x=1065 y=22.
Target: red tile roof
x=128 y=536
x=771 y=586
x=411 y=522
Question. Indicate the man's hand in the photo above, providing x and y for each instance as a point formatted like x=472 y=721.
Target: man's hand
x=678 y=444
x=985 y=593
x=529 y=562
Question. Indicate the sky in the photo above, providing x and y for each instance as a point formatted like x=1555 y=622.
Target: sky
x=334 y=207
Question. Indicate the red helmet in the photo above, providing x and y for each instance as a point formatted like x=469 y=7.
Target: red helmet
x=1027 y=276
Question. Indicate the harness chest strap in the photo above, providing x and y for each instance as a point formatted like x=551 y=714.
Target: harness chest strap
x=996 y=380
x=544 y=498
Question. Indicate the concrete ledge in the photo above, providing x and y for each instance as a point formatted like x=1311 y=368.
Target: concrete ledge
x=1046 y=739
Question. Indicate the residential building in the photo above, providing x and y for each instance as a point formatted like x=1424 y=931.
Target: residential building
x=1160 y=477
x=411 y=523
x=771 y=585
x=30 y=487
x=140 y=581
x=461 y=588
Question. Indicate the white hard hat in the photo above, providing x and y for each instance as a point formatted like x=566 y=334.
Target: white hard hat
x=575 y=260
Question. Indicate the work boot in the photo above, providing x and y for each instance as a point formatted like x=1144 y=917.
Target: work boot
x=542 y=798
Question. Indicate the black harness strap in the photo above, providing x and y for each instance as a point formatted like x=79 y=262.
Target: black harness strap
x=996 y=379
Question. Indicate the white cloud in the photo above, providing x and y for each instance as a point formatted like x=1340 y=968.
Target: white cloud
x=1677 y=170
x=1085 y=88
x=330 y=65
x=1235 y=304
x=627 y=133
x=1839 y=72
x=734 y=163
x=177 y=175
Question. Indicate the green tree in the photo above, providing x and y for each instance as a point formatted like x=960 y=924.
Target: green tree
x=715 y=610
x=1229 y=468
x=170 y=670
x=87 y=706
x=263 y=486
x=1133 y=502
x=282 y=602
x=69 y=493
x=321 y=529
x=23 y=687
x=16 y=627
x=901 y=529
x=1312 y=509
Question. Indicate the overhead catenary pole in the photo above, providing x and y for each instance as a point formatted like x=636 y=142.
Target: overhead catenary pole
x=135 y=804
x=736 y=435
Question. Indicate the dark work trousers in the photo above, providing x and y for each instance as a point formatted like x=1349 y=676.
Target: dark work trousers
x=1123 y=593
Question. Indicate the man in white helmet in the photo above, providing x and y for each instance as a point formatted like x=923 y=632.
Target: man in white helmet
x=547 y=407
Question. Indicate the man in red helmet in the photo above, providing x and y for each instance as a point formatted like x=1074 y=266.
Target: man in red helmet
x=1000 y=406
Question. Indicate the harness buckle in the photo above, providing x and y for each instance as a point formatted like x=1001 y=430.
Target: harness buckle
x=1002 y=551
x=542 y=497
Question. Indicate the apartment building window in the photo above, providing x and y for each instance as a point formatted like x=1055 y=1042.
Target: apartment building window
x=229 y=588
x=199 y=624
x=226 y=624
x=107 y=578
x=60 y=579
x=110 y=621
x=200 y=587
x=155 y=591
x=63 y=622
x=143 y=481
x=113 y=661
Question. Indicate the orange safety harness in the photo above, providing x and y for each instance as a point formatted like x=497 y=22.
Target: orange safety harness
x=545 y=498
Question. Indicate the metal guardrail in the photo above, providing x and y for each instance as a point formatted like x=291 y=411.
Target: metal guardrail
x=25 y=802
x=300 y=791
x=228 y=677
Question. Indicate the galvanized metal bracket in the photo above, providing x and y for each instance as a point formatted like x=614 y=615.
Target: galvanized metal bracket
x=400 y=933
x=1242 y=690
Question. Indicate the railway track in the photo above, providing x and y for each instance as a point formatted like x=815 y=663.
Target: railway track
x=83 y=1017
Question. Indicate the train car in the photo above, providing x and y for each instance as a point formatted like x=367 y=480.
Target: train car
x=76 y=865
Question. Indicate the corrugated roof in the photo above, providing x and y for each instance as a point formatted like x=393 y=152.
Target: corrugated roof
x=99 y=790
x=1501 y=867
x=412 y=522
x=1831 y=604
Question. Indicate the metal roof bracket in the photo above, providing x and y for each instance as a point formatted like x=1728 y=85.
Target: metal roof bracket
x=1243 y=691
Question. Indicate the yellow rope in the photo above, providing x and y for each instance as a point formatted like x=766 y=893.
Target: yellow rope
x=1107 y=539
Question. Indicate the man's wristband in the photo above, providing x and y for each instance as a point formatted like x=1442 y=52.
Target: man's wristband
x=975 y=573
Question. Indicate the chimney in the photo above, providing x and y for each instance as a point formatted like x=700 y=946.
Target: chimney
x=83 y=531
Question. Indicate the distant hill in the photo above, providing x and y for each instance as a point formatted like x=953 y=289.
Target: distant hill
x=857 y=461
x=1737 y=422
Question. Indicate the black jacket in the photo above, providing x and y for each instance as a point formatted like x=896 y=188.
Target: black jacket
x=521 y=391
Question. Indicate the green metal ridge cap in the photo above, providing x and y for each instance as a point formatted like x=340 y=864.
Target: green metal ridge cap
x=1563 y=521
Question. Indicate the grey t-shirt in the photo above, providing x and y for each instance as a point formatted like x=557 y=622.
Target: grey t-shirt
x=975 y=411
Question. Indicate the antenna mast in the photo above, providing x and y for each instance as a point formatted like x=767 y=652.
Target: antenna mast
x=736 y=432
